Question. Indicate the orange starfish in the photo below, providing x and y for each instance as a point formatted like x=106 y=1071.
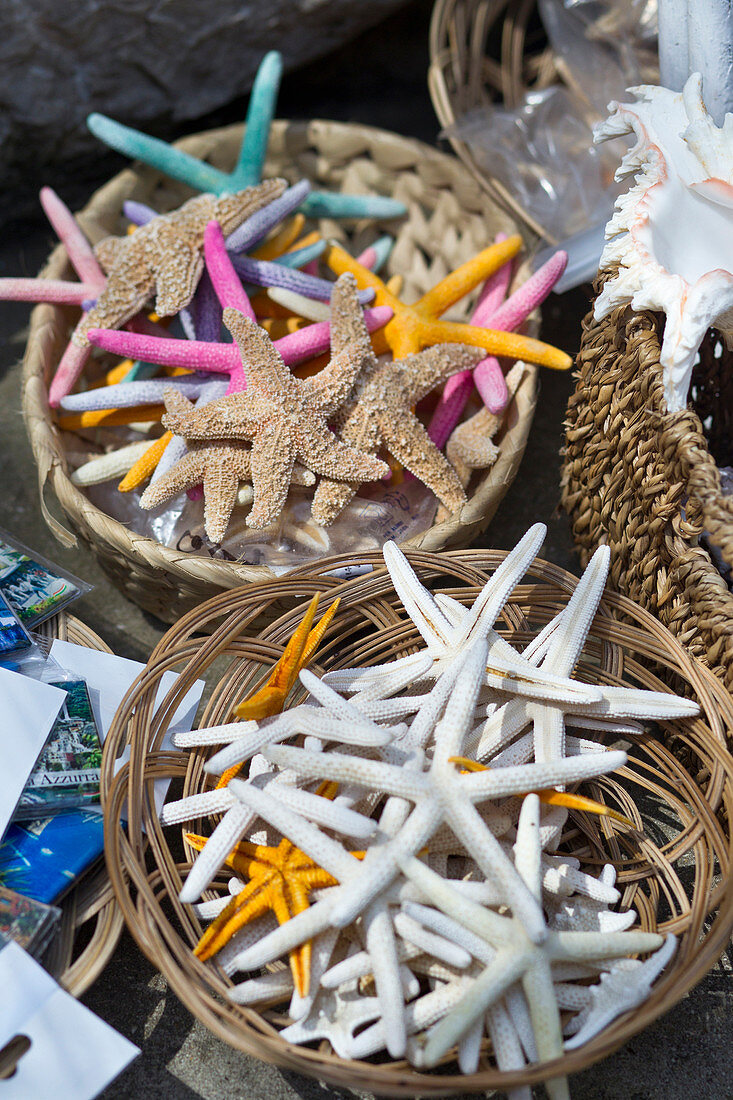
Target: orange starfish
x=555 y=798
x=270 y=698
x=417 y=326
x=280 y=881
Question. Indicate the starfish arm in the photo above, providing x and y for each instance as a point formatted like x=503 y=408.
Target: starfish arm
x=238 y=205
x=567 y=641
x=450 y=409
x=450 y=732
x=45 y=290
x=158 y=154
x=194 y=354
x=494 y=290
x=177 y=275
x=507 y=1046
x=382 y=948
x=130 y=394
x=69 y=232
x=506 y=344
x=471 y=443
x=230 y=829
x=348 y=769
x=537 y=777
x=321 y=951
x=111 y=465
x=319 y=450
x=491 y=385
x=302 y=927
x=229 y=289
x=260 y=113
x=145 y=465
x=347 y=317
x=258 y=225
x=359 y=730
x=336 y=204
x=430 y=942
x=273 y=457
x=531 y=294
x=266 y=273
x=326 y=391
x=267 y=989
x=256 y=898
x=339 y=260
x=264 y=367
x=115 y=305
x=287 y=240
x=506 y=969
x=411 y=445
x=197 y=805
x=456 y=285
x=545 y=1016
x=221 y=485
x=418 y=602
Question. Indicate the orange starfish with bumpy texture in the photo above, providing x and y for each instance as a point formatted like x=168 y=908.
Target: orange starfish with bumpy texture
x=417 y=326
x=270 y=698
x=280 y=881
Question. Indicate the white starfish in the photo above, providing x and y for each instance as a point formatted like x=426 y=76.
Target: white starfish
x=627 y=984
x=506 y=669
x=557 y=650
x=442 y=794
x=518 y=958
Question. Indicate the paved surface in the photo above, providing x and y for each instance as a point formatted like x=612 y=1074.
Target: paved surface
x=379 y=80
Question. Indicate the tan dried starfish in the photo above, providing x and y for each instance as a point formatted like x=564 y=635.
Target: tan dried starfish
x=471 y=446
x=284 y=417
x=379 y=413
x=165 y=257
x=220 y=466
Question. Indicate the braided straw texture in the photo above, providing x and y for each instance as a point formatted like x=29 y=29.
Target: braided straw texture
x=91 y=921
x=645 y=482
x=676 y=876
x=482 y=51
x=449 y=220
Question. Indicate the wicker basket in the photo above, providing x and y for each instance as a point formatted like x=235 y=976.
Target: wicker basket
x=645 y=482
x=463 y=75
x=449 y=220
x=91 y=921
x=677 y=878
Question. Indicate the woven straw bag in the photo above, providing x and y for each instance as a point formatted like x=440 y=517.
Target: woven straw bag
x=91 y=921
x=449 y=220
x=646 y=482
x=666 y=875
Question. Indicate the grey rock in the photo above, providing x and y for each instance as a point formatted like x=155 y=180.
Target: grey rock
x=149 y=64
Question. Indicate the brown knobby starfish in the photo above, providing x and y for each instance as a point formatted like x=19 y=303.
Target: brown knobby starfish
x=379 y=413
x=165 y=257
x=285 y=418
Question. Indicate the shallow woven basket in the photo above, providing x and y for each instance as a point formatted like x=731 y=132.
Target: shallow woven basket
x=482 y=51
x=646 y=482
x=91 y=921
x=677 y=877
x=449 y=220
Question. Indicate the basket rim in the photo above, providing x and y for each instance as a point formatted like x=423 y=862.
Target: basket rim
x=101 y=529
x=155 y=935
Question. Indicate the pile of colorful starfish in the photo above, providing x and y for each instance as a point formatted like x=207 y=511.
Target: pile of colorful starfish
x=398 y=838
x=245 y=421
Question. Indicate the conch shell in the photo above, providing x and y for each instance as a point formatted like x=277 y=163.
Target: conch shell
x=672 y=231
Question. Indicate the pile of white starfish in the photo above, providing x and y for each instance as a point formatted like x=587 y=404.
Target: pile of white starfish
x=462 y=919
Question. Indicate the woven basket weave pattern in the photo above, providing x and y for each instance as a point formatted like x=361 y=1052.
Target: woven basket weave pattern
x=643 y=481
x=666 y=875
x=449 y=220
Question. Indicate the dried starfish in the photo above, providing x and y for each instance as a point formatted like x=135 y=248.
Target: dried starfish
x=285 y=418
x=415 y=327
x=250 y=161
x=379 y=414
x=518 y=956
x=164 y=258
x=108 y=466
x=280 y=880
x=471 y=447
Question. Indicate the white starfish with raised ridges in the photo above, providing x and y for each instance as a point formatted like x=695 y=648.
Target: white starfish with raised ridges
x=506 y=669
x=518 y=957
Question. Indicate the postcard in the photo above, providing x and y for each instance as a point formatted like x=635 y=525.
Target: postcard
x=33 y=587
x=13 y=635
x=67 y=771
x=29 y=923
x=44 y=858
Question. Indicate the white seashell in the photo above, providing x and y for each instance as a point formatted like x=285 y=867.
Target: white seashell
x=672 y=232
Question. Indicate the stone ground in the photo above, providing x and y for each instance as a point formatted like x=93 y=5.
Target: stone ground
x=380 y=80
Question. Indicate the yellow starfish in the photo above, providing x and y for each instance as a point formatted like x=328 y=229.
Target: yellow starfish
x=282 y=241
x=417 y=326
x=280 y=880
x=555 y=798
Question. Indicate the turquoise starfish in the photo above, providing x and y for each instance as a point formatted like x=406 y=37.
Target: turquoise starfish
x=248 y=169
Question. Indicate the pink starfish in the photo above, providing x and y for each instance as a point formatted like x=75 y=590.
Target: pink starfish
x=505 y=316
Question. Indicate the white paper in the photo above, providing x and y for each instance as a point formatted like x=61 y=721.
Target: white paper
x=29 y=710
x=73 y=1054
x=108 y=679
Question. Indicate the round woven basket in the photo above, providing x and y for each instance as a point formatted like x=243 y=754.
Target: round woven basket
x=646 y=482
x=667 y=876
x=449 y=220
x=91 y=920
x=482 y=51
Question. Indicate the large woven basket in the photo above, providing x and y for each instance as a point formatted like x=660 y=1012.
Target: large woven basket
x=646 y=482
x=91 y=921
x=449 y=220
x=677 y=877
